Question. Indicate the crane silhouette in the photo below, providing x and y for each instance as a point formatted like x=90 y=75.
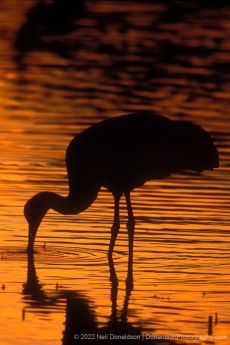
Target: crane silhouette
x=120 y=154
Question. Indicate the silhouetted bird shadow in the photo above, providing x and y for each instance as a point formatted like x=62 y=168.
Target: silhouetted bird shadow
x=121 y=154
x=51 y=19
x=81 y=322
x=80 y=313
x=81 y=325
x=33 y=292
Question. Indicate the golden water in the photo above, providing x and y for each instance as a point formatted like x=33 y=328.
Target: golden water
x=182 y=237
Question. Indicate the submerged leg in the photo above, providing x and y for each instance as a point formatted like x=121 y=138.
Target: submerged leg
x=130 y=226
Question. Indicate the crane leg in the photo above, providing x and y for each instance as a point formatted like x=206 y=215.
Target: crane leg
x=130 y=226
x=116 y=225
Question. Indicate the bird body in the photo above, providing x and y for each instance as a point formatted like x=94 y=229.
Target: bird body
x=120 y=154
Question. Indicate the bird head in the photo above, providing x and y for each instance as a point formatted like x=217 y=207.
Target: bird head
x=34 y=211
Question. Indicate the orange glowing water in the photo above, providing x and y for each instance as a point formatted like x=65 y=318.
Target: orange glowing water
x=181 y=250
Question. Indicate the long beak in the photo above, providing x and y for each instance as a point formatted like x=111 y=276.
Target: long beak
x=31 y=238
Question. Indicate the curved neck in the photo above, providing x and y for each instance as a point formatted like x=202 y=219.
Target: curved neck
x=36 y=208
x=74 y=203
x=64 y=205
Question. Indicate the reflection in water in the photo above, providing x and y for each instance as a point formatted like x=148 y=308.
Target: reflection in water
x=34 y=294
x=81 y=320
x=123 y=56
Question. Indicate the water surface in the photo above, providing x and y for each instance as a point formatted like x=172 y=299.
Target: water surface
x=118 y=58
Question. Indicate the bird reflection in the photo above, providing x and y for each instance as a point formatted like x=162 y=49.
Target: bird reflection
x=34 y=294
x=81 y=319
x=32 y=287
x=80 y=315
x=81 y=324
